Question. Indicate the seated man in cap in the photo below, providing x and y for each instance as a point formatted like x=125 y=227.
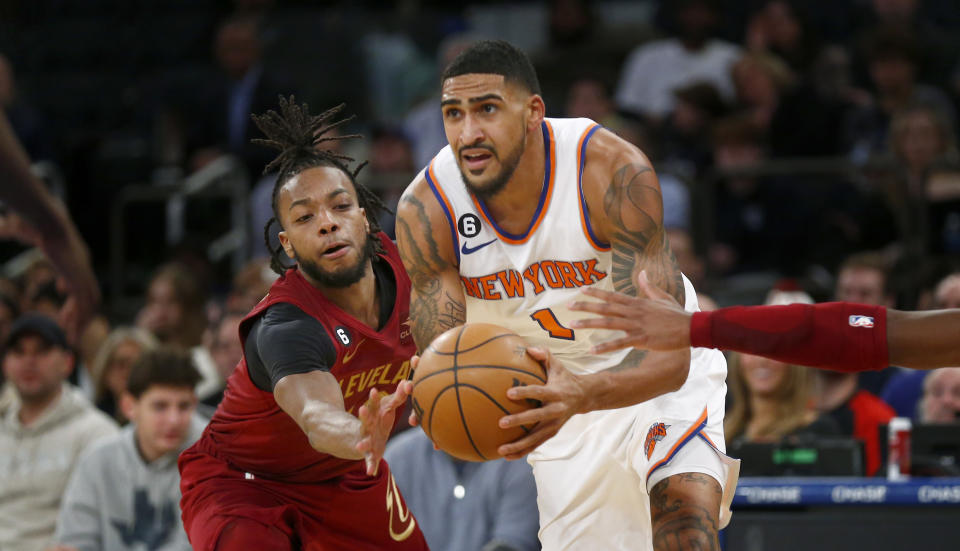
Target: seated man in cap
x=42 y=433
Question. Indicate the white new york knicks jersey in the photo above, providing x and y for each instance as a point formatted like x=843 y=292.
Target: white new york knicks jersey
x=524 y=282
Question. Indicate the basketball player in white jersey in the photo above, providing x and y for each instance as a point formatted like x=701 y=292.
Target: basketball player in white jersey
x=506 y=225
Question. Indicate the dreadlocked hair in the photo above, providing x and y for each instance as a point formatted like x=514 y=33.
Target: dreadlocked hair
x=297 y=134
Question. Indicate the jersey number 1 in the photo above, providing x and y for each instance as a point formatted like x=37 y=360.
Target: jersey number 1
x=549 y=323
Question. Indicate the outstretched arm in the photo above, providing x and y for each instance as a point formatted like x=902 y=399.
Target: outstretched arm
x=58 y=237
x=437 y=302
x=313 y=400
x=817 y=335
x=924 y=340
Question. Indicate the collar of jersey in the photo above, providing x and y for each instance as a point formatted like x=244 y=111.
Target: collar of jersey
x=549 y=169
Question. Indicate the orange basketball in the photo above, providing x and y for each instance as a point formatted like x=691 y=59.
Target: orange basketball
x=460 y=389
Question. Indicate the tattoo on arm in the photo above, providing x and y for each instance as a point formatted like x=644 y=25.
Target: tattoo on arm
x=432 y=310
x=683 y=526
x=631 y=360
x=635 y=210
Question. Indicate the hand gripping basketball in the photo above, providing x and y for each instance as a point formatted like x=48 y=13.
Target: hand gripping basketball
x=460 y=389
x=561 y=398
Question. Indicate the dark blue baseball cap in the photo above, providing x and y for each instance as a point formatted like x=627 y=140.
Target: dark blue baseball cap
x=40 y=325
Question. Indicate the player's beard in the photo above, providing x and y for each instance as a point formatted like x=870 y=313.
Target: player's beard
x=508 y=165
x=343 y=277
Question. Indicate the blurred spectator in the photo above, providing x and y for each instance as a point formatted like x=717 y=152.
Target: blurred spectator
x=781 y=28
x=941 y=396
x=250 y=284
x=391 y=168
x=892 y=62
x=809 y=120
x=760 y=80
x=125 y=491
x=111 y=367
x=580 y=45
x=460 y=505
x=653 y=71
x=920 y=187
x=42 y=433
x=225 y=349
x=686 y=146
x=904 y=391
x=175 y=314
x=759 y=221
x=423 y=124
x=947 y=294
x=174 y=311
x=936 y=48
x=9 y=311
x=589 y=97
x=857 y=412
x=689 y=262
x=28 y=125
x=771 y=399
x=863 y=278
x=243 y=86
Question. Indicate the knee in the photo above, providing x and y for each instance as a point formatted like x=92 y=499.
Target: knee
x=685 y=529
x=248 y=534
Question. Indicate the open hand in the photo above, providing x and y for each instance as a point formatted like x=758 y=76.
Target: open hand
x=377 y=416
x=561 y=398
x=656 y=322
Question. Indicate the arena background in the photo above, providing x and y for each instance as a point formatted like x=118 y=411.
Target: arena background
x=803 y=133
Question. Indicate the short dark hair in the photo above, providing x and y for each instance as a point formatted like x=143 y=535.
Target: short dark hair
x=166 y=366
x=495 y=57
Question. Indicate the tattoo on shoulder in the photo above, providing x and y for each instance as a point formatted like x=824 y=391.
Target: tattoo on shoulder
x=634 y=208
x=432 y=310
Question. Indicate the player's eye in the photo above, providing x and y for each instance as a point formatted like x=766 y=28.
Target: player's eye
x=305 y=217
x=489 y=108
x=452 y=113
x=343 y=206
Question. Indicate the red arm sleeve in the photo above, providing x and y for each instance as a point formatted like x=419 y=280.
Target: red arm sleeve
x=843 y=336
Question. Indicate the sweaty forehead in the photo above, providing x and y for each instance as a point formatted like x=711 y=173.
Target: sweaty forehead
x=471 y=85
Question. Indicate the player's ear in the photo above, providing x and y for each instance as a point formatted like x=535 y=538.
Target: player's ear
x=536 y=111
x=285 y=243
x=366 y=221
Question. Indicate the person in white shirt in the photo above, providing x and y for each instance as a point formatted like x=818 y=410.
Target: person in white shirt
x=653 y=71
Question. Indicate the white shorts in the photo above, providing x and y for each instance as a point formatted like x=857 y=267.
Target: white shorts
x=593 y=477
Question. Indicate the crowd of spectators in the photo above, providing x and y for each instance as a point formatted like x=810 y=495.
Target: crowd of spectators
x=806 y=152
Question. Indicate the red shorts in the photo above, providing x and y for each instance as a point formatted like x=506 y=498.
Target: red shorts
x=225 y=509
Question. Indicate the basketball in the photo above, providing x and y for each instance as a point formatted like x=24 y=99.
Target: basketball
x=460 y=389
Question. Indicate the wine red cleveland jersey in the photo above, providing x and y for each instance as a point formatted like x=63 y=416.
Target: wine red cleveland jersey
x=250 y=431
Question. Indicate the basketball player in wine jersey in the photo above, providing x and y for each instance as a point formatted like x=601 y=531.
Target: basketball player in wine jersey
x=286 y=463
x=507 y=225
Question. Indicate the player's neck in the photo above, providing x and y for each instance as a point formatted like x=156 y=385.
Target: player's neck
x=360 y=300
x=514 y=207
